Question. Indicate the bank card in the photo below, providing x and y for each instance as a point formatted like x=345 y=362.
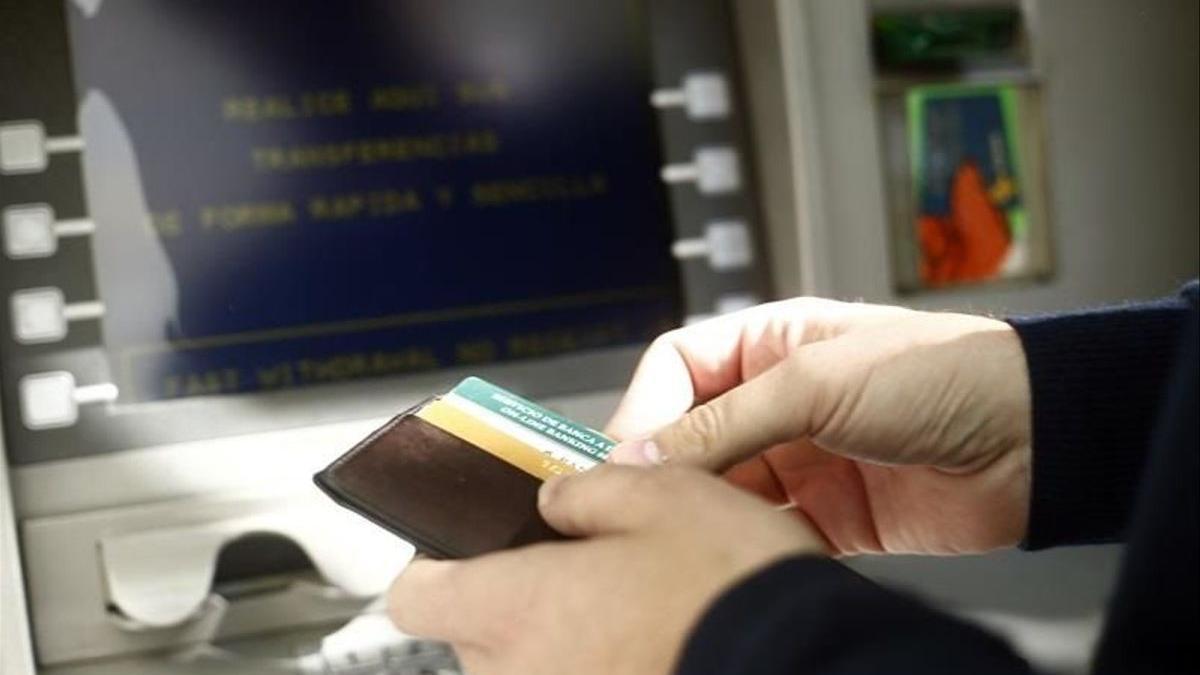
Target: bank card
x=458 y=475
x=532 y=438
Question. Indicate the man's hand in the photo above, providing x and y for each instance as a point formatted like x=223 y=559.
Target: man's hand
x=655 y=547
x=890 y=429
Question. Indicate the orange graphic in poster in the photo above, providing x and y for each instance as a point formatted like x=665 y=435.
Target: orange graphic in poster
x=970 y=242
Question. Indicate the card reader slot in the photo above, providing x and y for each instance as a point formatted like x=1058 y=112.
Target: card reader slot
x=260 y=563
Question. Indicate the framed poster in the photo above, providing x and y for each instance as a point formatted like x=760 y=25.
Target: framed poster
x=966 y=174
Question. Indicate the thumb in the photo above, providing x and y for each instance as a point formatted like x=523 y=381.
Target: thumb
x=605 y=500
x=777 y=406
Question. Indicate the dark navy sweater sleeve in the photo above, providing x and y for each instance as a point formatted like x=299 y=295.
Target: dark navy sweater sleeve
x=1097 y=379
x=815 y=616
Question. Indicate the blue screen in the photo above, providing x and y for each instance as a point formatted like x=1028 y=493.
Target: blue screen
x=292 y=192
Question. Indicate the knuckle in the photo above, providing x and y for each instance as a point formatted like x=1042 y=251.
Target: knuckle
x=635 y=487
x=700 y=429
x=595 y=483
x=664 y=342
x=614 y=482
x=801 y=303
x=681 y=488
x=644 y=481
x=603 y=485
x=809 y=305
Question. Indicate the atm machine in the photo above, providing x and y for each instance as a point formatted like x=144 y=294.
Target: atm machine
x=238 y=236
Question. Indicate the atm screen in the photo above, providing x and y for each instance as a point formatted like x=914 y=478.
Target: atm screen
x=293 y=192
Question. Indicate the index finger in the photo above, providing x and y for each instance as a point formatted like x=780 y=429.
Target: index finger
x=694 y=364
x=679 y=368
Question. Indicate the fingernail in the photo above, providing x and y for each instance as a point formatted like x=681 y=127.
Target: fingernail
x=640 y=452
x=546 y=492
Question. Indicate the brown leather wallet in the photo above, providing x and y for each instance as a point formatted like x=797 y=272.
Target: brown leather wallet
x=446 y=496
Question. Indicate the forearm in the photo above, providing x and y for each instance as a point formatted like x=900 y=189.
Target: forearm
x=1096 y=378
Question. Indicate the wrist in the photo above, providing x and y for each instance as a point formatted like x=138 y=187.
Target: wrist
x=1011 y=464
